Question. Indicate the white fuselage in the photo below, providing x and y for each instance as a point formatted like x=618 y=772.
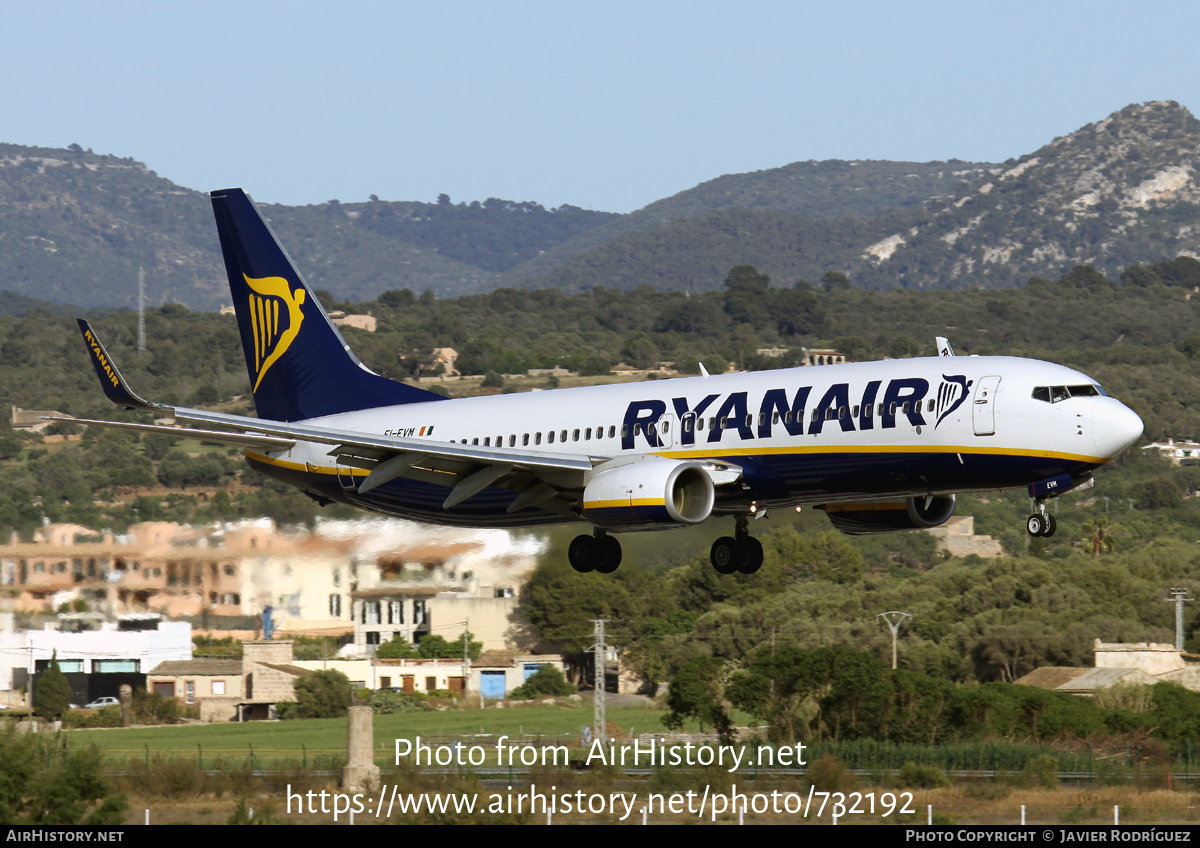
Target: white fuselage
x=802 y=435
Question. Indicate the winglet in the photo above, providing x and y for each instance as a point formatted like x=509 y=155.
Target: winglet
x=110 y=378
x=943 y=346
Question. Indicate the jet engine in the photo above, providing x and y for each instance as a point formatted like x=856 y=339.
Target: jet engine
x=647 y=494
x=917 y=513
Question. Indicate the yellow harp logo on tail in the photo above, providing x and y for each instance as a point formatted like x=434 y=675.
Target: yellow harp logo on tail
x=274 y=331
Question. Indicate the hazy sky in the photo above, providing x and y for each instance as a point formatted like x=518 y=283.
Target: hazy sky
x=603 y=105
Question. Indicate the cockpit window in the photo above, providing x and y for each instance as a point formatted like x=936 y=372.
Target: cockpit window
x=1054 y=394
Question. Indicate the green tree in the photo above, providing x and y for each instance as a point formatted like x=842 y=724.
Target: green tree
x=777 y=685
x=436 y=646
x=698 y=692
x=323 y=694
x=835 y=281
x=745 y=289
x=45 y=782
x=397 y=649
x=52 y=693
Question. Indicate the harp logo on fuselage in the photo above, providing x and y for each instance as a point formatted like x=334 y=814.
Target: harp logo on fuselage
x=273 y=329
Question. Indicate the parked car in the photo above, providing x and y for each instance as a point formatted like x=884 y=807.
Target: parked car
x=106 y=701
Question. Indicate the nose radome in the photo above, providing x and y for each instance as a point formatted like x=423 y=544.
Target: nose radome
x=1114 y=427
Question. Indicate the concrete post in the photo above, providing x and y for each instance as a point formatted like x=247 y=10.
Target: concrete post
x=360 y=774
x=126 y=705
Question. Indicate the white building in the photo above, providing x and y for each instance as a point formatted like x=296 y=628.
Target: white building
x=130 y=645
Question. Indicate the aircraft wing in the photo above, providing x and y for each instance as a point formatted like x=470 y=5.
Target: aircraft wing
x=540 y=477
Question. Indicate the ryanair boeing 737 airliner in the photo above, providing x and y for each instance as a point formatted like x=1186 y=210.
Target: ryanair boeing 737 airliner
x=879 y=446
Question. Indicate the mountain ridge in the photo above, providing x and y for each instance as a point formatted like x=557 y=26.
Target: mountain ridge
x=75 y=226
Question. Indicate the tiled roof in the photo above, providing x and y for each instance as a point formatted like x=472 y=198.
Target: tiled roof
x=1051 y=677
x=176 y=668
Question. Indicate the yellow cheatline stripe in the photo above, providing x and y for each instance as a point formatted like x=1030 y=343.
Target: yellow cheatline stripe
x=624 y=503
x=831 y=449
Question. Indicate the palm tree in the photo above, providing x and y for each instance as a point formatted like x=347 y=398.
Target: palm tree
x=1099 y=535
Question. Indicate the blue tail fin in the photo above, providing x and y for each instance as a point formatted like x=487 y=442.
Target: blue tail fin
x=300 y=367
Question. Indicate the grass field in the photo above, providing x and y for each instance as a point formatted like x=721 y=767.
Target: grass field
x=297 y=740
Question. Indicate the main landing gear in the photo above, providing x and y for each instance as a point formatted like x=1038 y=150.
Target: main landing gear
x=738 y=553
x=1041 y=523
x=598 y=552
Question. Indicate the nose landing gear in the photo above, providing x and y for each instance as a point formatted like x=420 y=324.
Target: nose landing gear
x=598 y=552
x=739 y=553
x=1041 y=523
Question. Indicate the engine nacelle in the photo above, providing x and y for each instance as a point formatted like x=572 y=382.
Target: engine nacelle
x=653 y=492
x=918 y=513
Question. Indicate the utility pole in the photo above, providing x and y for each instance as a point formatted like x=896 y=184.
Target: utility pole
x=894 y=619
x=1177 y=596
x=466 y=667
x=599 y=651
x=141 y=344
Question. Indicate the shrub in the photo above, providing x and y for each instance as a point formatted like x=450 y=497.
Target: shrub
x=323 y=694
x=386 y=703
x=829 y=774
x=104 y=717
x=151 y=708
x=547 y=680
x=913 y=776
x=47 y=782
x=1042 y=772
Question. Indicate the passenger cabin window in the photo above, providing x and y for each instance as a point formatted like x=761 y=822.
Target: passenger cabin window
x=612 y=431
